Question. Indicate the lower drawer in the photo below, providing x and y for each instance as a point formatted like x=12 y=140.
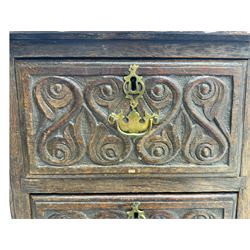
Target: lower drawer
x=205 y=206
x=198 y=206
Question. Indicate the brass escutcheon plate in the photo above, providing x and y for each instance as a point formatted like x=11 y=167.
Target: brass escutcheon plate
x=134 y=125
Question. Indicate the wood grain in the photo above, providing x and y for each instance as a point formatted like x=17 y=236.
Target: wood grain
x=130 y=185
x=19 y=201
x=139 y=35
x=37 y=56
x=131 y=49
x=244 y=195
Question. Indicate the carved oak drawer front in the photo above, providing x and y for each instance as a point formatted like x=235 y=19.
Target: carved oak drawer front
x=206 y=206
x=131 y=117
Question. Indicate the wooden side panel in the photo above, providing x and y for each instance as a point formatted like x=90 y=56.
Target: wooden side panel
x=244 y=195
x=207 y=206
x=19 y=201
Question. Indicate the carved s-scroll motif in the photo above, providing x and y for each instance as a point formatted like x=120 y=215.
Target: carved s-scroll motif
x=118 y=214
x=69 y=214
x=104 y=95
x=205 y=99
x=60 y=100
x=199 y=214
x=162 y=214
x=162 y=144
x=106 y=146
x=192 y=124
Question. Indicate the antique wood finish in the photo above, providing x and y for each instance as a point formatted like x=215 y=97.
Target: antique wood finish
x=244 y=195
x=207 y=206
x=19 y=201
x=131 y=184
x=69 y=161
x=121 y=35
x=177 y=145
x=132 y=44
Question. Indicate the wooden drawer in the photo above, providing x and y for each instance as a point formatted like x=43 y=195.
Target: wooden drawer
x=66 y=105
x=99 y=120
x=205 y=206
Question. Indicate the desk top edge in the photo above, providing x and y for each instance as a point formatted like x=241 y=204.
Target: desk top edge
x=227 y=36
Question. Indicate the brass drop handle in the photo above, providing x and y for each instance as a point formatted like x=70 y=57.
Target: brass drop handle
x=133 y=124
x=135 y=212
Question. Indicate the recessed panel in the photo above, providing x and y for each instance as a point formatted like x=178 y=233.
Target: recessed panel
x=133 y=117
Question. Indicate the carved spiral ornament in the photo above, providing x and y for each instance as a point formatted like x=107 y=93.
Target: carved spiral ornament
x=105 y=148
x=52 y=95
x=206 y=143
x=162 y=144
x=199 y=214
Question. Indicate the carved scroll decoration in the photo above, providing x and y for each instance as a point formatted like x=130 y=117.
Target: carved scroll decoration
x=191 y=120
x=163 y=143
x=106 y=146
x=199 y=214
x=207 y=142
x=70 y=214
x=117 y=214
x=60 y=100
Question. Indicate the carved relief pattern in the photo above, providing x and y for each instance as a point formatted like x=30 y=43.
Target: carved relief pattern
x=150 y=214
x=105 y=148
x=163 y=143
x=52 y=95
x=209 y=144
x=191 y=124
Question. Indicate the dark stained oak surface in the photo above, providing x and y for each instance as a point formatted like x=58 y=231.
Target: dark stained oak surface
x=141 y=35
x=129 y=185
x=65 y=108
x=68 y=161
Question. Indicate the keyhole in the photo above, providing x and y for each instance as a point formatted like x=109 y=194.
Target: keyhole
x=133 y=83
x=136 y=215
